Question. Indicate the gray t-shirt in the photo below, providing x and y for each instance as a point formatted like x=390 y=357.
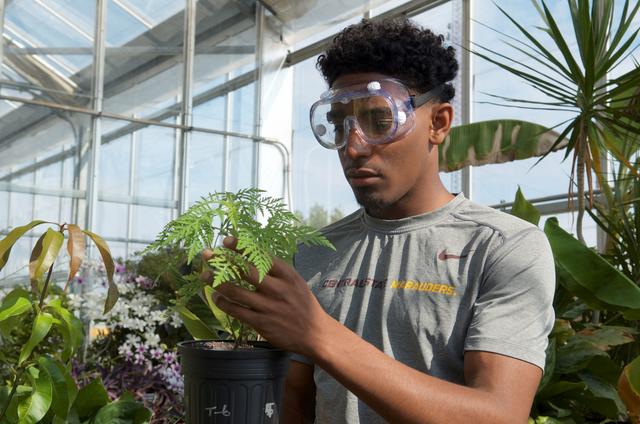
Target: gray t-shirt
x=425 y=289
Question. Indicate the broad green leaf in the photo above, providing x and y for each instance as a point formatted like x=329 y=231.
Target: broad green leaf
x=15 y=303
x=103 y=248
x=550 y=364
x=70 y=327
x=64 y=387
x=75 y=247
x=610 y=404
x=122 y=411
x=606 y=336
x=198 y=329
x=7 y=243
x=561 y=388
x=575 y=355
x=629 y=389
x=41 y=326
x=591 y=271
x=495 y=141
x=11 y=415
x=223 y=319
x=91 y=398
x=33 y=408
x=525 y=210
x=44 y=254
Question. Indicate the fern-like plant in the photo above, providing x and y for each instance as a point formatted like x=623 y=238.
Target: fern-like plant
x=263 y=227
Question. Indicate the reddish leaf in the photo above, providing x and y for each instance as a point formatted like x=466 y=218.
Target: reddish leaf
x=103 y=248
x=76 y=247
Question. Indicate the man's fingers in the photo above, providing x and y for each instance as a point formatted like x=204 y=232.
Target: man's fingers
x=230 y=242
x=245 y=315
x=236 y=294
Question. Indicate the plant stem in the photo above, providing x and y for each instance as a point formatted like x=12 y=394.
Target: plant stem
x=582 y=151
x=46 y=286
x=12 y=393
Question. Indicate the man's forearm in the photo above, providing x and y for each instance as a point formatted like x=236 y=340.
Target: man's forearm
x=402 y=394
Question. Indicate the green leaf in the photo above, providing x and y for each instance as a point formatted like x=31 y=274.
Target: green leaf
x=575 y=355
x=44 y=254
x=7 y=243
x=70 y=326
x=122 y=412
x=15 y=303
x=34 y=407
x=561 y=388
x=11 y=416
x=91 y=398
x=550 y=364
x=198 y=329
x=592 y=272
x=64 y=387
x=223 y=319
x=606 y=336
x=612 y=405
x=525 y=210
x=105 y=253
x=41 y=326
x=495 y=141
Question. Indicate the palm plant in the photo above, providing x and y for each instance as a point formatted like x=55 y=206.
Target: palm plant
x=604 y=111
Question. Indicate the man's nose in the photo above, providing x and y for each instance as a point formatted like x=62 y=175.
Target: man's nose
x=356 y=146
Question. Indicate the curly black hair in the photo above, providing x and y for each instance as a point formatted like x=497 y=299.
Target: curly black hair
x=396 y=47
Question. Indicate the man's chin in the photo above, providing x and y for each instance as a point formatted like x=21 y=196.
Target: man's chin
x=371 y=201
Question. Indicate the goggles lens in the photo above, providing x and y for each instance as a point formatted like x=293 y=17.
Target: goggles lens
x=372 y=116
x=379 y=111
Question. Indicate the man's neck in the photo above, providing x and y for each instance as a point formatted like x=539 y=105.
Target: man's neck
x=412 y=204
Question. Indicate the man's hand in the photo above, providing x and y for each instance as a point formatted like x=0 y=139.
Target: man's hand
x=282 y=308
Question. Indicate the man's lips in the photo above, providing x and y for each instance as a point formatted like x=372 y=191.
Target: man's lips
x=362 y=176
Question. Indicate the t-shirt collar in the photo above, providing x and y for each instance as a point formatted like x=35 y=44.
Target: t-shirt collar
x=413 y=222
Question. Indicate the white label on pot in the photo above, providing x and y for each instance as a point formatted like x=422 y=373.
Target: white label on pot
x=213 y=410
x=268 y=409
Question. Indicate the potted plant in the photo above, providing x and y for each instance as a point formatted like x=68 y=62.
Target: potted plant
x=230 y=375
x=40 y=336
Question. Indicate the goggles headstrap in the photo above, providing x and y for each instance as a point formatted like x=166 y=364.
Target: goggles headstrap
x=423 y=98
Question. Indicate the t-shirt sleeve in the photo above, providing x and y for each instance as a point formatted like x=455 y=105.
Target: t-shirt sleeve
x=513 y=313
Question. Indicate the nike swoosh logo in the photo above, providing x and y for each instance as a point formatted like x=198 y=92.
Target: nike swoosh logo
x=443 y=256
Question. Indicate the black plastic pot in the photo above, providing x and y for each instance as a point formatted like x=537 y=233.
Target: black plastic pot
x=241 y=386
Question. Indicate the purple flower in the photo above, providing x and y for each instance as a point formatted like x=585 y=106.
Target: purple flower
x=144 y=282
x=79 y=280
x=120 y=268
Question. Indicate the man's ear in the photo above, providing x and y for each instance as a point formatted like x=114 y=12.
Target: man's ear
x=441 y=119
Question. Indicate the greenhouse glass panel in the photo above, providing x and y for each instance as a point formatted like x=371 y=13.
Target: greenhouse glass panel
x=206 y=165
x=48 y=48
x=211 y=114
x=47 y=208
x=115 y=164
x=240 y=169
x=154 y=165
x=225 y=49
x=143 y=60
x=17 y=268
x=318 y=178
x=111 y=220
x=495 y=183
x=4 y=212
x=148 y=221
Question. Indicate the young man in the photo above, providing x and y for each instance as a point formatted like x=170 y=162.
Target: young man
x=432 y=309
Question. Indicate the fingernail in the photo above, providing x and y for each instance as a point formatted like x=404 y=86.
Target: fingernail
x=215 y=296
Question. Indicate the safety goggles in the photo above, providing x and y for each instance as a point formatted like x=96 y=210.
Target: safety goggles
x=380 y=112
